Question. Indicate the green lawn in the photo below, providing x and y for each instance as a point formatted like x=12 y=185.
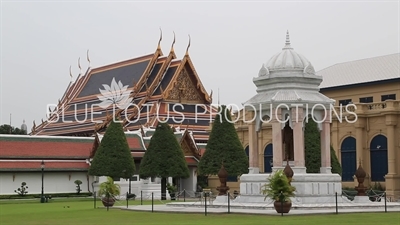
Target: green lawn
x=82 y=212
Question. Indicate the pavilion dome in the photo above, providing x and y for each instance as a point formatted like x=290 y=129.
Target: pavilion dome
x=287 y=60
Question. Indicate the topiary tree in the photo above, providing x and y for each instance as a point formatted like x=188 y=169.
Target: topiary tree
x=223 y=146
x=78 y=186
x=22 y=190
x=336 y=167
x=164 y=157
x=113 y=157
x=312 y=143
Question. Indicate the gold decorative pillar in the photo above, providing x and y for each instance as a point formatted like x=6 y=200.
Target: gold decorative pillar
x=277 y=139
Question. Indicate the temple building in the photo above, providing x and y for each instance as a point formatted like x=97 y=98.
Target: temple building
x=66 y=159
x=371 y=138
x=140 y=92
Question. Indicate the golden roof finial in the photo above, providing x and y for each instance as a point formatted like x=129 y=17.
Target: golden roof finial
x=70 y=73
x=173 y=42
x=211 y=93
x=87 y=57
x=187 y=49
x=161 y=89
x=159 y=41
x=33 y=127
x=79 y=65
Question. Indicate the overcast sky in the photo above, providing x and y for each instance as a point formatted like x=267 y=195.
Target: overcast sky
x=230 y=41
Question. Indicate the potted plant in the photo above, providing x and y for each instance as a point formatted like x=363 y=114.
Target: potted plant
x=172 y=191
x=279 y=189
x=107 y=191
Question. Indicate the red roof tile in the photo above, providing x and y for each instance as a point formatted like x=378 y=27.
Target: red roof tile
x=27 y=165
x=137 y=154
x=191 y=161
x=134 y=143
x=45 y=149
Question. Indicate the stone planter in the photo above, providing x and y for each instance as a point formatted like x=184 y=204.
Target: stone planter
x=285 y=208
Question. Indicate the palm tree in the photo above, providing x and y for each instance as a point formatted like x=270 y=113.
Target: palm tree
x=108 y=190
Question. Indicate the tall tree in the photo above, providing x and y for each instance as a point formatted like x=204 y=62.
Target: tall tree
x=224 y=147
x=113 y=157
x=312 y=143
x=7 y=129
x=164 y=157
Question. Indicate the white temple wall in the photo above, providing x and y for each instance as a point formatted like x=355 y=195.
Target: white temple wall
x=54 y=182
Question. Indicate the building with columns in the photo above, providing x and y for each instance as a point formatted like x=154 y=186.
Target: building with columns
x=373 y=86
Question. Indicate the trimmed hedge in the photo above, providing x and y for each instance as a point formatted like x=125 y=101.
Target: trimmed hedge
x=53 y=195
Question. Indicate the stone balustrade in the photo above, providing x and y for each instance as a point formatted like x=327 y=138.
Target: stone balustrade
x=370 y=108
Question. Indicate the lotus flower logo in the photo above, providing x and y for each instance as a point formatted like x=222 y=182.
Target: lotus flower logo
x=115 y=94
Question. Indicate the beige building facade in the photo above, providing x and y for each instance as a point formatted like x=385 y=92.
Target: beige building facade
x=366 y=129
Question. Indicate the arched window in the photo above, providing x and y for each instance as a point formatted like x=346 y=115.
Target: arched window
x=379 y=159
x=348 y=158
x=268 y=157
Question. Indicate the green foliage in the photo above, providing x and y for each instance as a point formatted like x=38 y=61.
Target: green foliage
x=377 y=187
x=171 y=188
x=312 y=143
x=336 y=167
x=109 y=189
x=22 y=191
x=113 y=157
x=78 y=186
x=278 y=187
x=223 y=147
x=164 y=156
x=7 y=129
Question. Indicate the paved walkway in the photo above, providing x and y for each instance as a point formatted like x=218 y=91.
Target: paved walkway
x=195 y=207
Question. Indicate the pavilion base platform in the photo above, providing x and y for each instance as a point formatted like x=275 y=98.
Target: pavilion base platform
x=315 y=188
x=268 y=204
x=361 y=199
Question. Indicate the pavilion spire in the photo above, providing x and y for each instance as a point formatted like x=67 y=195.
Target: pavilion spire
x=287 y=42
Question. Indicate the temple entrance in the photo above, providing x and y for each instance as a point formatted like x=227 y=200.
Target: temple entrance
x=288 y=153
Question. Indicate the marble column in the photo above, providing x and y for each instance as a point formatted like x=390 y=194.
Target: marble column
x=298 y=140
x=326 y=145
x=253 y=153
x=277 y=140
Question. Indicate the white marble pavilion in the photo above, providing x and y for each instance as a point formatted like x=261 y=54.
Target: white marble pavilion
x=287 y=95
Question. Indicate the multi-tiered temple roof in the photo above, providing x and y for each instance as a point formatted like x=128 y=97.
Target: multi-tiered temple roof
x=152 y=84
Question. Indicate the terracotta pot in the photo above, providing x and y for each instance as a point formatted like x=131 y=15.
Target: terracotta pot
x=282 y=209
x=108 y=201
